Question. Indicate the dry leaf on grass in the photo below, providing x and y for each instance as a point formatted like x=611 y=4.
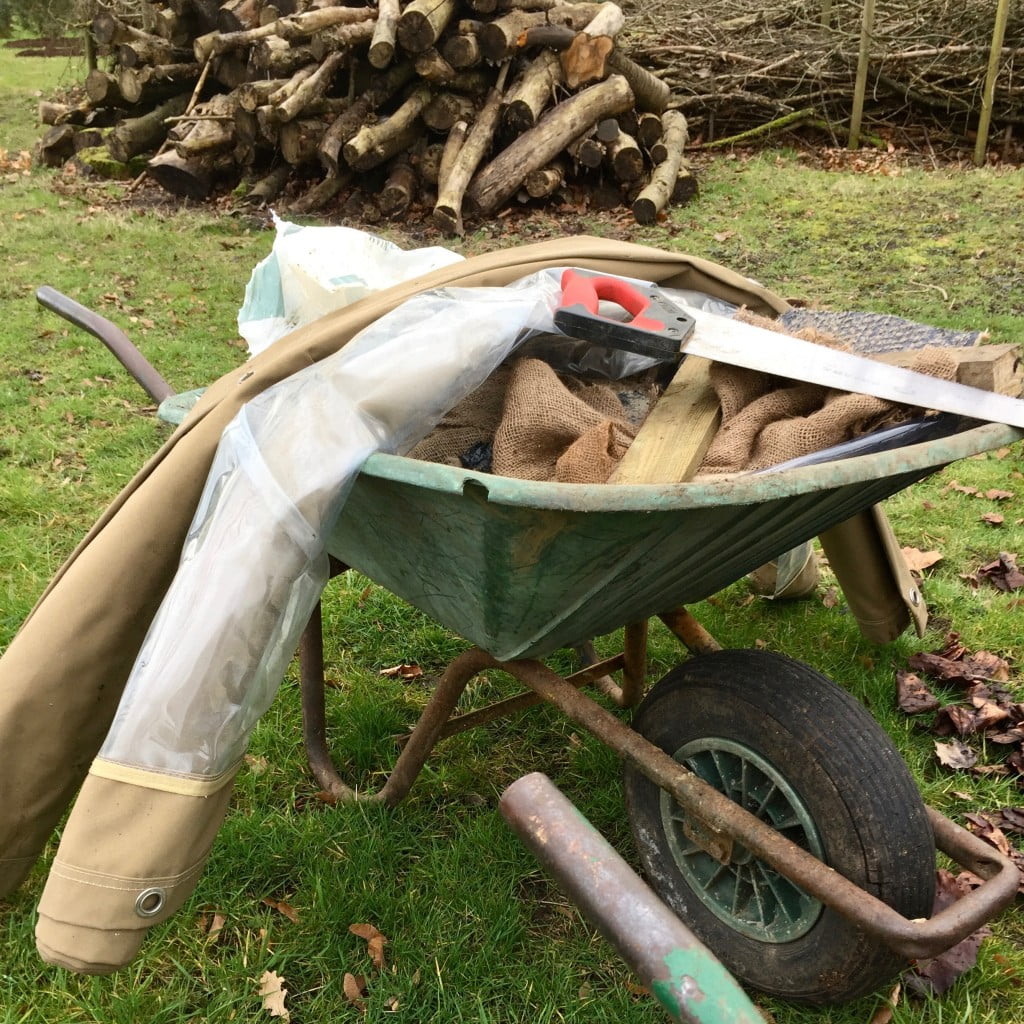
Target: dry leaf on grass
x=918 y=561
x=913 y=696
x=282 y=908
x=1003 y=573
x=273 y=992
x=883 y=1015
x=956 y=755
x=354 y=987
x=375 y=942
x=403 y=671
x=934 y=976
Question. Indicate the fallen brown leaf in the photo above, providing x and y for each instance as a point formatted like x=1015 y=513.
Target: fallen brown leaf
x=956 y=755
x=404 y=671
x=934 y=976
x=995 y=495
x=1003 y=573
x=282 y=908
x=918 y=561
x=354 y=987
x=375 y=942
x=992 y=518
x=913 y=696
x=273 y=992
x=883 y=1015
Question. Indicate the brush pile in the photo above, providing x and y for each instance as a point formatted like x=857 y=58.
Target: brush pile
x=738 y=64
x=443 y=105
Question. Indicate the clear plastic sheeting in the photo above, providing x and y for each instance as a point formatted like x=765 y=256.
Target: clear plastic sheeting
x=254 y=563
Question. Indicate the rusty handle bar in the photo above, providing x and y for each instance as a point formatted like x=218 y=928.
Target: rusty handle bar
x=682 y=974
x=112 y=336
x=913 y=939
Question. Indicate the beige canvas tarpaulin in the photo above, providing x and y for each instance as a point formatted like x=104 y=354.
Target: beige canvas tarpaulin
x=62 y=677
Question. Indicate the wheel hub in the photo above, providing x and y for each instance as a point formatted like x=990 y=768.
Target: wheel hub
x=744 y=892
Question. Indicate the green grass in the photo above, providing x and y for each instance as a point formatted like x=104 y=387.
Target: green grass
x=476 y=931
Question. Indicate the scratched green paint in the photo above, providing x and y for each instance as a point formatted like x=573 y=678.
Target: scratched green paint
x=723 y=1001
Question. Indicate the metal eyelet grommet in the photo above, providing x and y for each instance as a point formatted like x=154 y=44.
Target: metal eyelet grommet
x=150 y=902
x=915 y=597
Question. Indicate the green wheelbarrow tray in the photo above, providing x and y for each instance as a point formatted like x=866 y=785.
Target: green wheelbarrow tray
x=521 y=568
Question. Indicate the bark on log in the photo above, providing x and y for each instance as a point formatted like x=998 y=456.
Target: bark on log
x=151 y=85
x=648 y=130
x=257 y=94
x=422 y=23
x=311 y=89
x=545 y=180
x=103 y=90
x=373 y=144
x=51 y=113
x=587 y=151
x=452 y=145
x=655 y=197
x=230 y=70
x=212 y=131
x=141 y=134
x=238 y=15
x=427 y=160
x=298 y=26
x=108 y=30
x=686 y=187
x=452 y=190
x=378 y=92
x=192 y=178
x=433 y=67
x=152 y=50
x=56 y=146
x=674 y=136
x=382 y=45
x=446 y=109
x=625 y=157
x=319 y=195
x=462 y=50
x=609 y=21
x=532 y=92
x=399 y=190
x=539 y=146
x=500 y=38
x=268 y=124
x=650 y=93
x=269 y=187
x=341 y=37
x=472 y=83
x=277 y=58
x=177 y=29
x=299 y=140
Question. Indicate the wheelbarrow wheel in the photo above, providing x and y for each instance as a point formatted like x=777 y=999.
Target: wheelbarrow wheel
x=799 y=752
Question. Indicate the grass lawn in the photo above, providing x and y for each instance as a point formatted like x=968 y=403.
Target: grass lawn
x=476 y=932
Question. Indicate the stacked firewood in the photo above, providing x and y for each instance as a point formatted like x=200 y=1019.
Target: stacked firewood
x=459 y=106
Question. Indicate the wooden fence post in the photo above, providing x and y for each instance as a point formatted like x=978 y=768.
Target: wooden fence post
x=867 y=27
x=989 y=94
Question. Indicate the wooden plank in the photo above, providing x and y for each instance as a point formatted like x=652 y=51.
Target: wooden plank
x=995 y=368
x=674 y=438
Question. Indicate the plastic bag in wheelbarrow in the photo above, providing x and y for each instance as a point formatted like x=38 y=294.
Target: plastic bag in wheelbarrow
x=131 y=852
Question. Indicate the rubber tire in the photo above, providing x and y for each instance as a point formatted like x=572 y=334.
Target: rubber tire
x=841 y=765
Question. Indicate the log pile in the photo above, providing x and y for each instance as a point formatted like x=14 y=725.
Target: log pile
x=459 y=106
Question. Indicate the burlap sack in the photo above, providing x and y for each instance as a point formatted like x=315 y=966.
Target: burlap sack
x=767 y=420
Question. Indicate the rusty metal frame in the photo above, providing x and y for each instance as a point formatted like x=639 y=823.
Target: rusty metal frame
x=716 y=812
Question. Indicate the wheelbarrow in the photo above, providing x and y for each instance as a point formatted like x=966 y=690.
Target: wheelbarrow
x=770 y=811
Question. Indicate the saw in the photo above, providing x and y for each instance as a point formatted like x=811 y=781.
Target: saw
x=664 y=328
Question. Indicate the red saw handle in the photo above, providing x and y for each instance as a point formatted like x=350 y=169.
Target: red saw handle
x=586 y=291
x=657 y=327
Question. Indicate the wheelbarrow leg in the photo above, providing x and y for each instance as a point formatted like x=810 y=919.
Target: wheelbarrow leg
x=314 y=718
x=694 y=636
x=634 y=666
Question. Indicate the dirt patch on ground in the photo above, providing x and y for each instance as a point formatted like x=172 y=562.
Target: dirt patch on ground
x=54 y=46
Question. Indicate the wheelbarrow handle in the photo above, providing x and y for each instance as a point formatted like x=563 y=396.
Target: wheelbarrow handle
x=688 y=981
x=112 y=336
